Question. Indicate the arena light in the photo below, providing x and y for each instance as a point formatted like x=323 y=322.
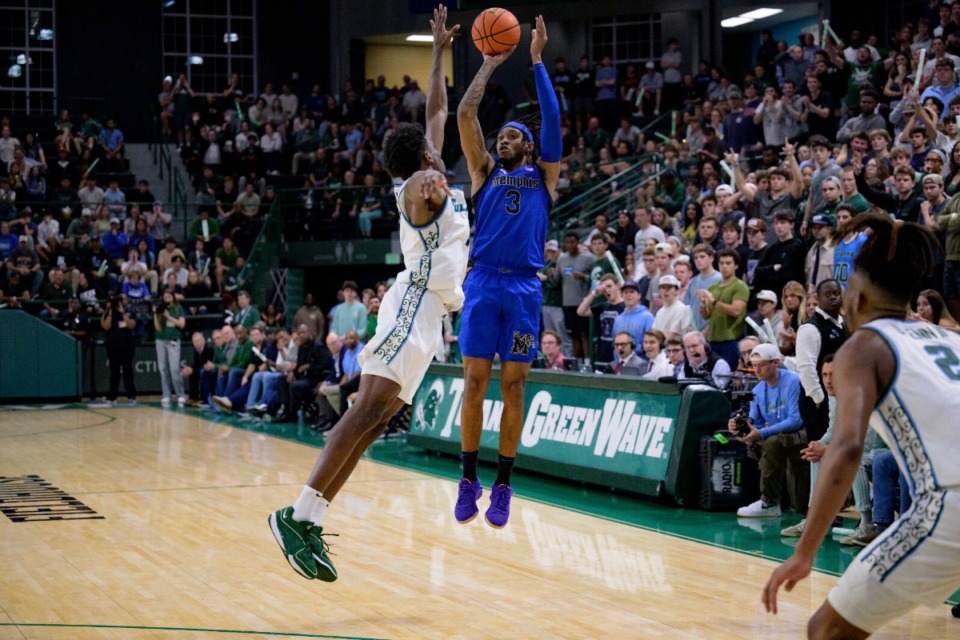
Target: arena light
x=45 y=34
x=195 y=60
x=729 y=23
x=15 y=71
x=169 y=3
x=23 y=59
x=760 y=14
x=419 y=38
x=230 y=37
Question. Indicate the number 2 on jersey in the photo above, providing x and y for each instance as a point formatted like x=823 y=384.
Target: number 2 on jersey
x=513 y=202
x=948 y=361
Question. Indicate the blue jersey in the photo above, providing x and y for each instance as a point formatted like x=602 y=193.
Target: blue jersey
x=512 y=216
x=843 y=256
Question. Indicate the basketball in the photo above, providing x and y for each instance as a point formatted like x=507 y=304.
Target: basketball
x=495 y=30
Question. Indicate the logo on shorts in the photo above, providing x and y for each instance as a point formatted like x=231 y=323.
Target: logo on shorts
x=521 y=344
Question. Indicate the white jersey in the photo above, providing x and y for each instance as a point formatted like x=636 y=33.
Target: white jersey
x=919 y=417
x=435 y=254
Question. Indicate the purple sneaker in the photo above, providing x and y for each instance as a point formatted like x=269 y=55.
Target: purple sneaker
x=499 y=511
x=466 y=509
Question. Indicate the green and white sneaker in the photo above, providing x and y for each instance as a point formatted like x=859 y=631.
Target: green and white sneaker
x=795 y=531
x=320 y=548
x=294 y=540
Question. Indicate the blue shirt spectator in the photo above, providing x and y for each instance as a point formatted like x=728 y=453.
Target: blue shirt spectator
x=135 y=290
x=116 y=201
x=348 y=360
x=636 y=322
x=8 y=241
x=777 y=409
x=115 y=242
x=112 y=139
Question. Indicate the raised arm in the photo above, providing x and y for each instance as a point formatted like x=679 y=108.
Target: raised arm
x=479 y=160
x=437 y=89
x=551 y=147
x=796 y=178
x=749 y=193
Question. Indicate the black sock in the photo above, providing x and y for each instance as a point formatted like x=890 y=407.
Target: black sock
x=504 y=469
x=469 y=461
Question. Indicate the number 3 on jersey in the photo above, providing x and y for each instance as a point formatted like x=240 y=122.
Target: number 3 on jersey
x=948 y=361
x=513 y=202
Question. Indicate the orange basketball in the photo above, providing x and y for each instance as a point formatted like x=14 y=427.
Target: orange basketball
x=495 y=30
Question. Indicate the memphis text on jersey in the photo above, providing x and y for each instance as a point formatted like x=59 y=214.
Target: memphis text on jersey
x=522 y=182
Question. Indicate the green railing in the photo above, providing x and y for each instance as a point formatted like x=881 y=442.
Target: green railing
x=608 y=196
x=264 y=256
x=177 y=192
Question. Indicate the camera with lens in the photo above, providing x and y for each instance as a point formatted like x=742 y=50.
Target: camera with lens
x=159 y=308
x=741 y=410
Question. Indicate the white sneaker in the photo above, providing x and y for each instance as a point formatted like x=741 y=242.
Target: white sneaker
x=757 y=510
x=164 y=402
x=223 y=404
x=182 y=401
x=795 y=531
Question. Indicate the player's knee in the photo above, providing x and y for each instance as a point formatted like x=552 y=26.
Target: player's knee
x=512 y=389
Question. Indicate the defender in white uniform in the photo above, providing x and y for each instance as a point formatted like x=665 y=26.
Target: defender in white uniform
x=903 y=379
x=433 y=235
x=411 y=314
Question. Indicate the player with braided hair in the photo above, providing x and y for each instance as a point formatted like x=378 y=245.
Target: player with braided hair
x=902 y=379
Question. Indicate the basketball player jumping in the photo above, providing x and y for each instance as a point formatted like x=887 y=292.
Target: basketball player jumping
x=903 y=380
x=512 y=194
x=433 y=236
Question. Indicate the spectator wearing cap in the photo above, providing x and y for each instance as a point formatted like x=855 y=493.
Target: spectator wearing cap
x=115 y=241
x=674 y=317
x=663 y=254
x=651 y=83
x=550 y=284
x=818 y=265
x=775 y=427
x=82 y=226
x=766 y=311
x=867 y=120
x=944 y=86
x=635 y=319
x=783 y=260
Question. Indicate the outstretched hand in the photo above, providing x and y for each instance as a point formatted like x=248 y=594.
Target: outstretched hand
x=441 y=35
x=788 y=574
x=539 y=40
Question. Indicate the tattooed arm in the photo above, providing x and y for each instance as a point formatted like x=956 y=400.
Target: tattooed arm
x=479 y=161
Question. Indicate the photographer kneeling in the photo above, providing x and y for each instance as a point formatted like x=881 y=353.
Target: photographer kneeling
x=168 y=320
x=776 y=429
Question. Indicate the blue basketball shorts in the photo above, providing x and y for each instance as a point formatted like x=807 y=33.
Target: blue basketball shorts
x=501 y=314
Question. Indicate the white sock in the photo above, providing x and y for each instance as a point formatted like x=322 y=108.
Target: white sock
x=305 y=505
x=319 y=509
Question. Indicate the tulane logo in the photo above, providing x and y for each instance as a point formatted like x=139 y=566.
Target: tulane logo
x=426 y=412
x=521 y=344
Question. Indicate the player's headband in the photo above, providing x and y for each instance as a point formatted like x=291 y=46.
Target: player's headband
x=520 y=127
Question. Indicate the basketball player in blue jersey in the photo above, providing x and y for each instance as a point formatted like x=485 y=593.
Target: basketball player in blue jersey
x=512 y=194
x=434 y=231
x=902 y=379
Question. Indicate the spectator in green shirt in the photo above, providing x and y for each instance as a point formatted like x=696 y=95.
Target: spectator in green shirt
x=552 y=294
x=725 y=305
x=232 y=372
x=247 y=314
x=373 y=310
x=169 y=321
x=226 y=258
x=213 y=227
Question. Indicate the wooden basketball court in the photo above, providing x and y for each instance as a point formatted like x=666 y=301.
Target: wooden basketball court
x=163 y=534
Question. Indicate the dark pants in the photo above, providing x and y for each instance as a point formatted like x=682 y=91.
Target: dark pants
x=346 y=389
x=815 y=420
x=121 y=357
x=194 y=385
x=208 y=382
x=729 y=350
x=301 y=393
